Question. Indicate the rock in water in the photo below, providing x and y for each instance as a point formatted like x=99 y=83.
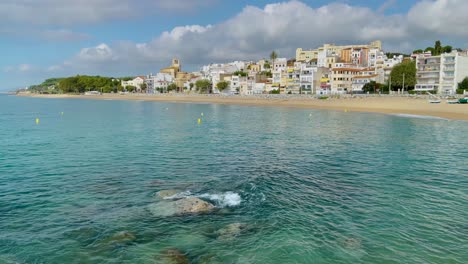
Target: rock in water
x=174 y=256
x=192 y=205
x=166 y=193
x=120 y=238
x=189 y=205
x=230 y=231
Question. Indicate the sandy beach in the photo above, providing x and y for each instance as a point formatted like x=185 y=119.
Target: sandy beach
x=413 y=105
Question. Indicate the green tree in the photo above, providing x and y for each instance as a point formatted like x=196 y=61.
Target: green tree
x=143 y=87
x=371 y=87
x=431 y=49
x=240 y=73
x=267 y=74
x=171 y=87
x=275 y=91
x=437 y=48
x=463 y=85
x=404 y=74
x=222 y=85
x=267 y=65
x=203 y=86
x=418 y=51
x=447 y=49
x=191 y=85
x=130 y=88
x=107 y=89
x=273 y=57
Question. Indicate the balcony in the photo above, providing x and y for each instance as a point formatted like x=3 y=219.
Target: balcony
x=428 y=69
x=427 y=76
x=425 y=87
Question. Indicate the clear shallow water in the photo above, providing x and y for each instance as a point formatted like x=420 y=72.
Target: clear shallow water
x=314 y=186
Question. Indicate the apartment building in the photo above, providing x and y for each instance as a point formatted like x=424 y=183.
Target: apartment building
x=441 y=73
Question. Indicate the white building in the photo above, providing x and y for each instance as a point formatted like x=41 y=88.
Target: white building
x=306 y=78
x=237 y=82
x=158 y=81
x=441 y=73
x=137 y=82
x=280 y=64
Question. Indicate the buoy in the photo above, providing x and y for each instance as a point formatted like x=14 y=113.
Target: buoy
x=61 y=113
x=37 y=121
x=346 y=110
x=201 y=114
x=199 y=120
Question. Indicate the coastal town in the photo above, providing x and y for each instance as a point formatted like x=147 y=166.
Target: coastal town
x=327 y=70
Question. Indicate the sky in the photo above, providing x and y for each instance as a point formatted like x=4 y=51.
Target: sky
x=58 y=38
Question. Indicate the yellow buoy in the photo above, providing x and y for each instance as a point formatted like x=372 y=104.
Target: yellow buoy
x=37 y=121
x=346 y=110
x=199 y=120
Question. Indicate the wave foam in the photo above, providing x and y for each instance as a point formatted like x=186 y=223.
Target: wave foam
x=228 y=199
x=178 y=195
x=420 y=116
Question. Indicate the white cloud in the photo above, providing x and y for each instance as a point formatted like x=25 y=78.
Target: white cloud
x=441 y=17
x=18 y=68
x=255 y=32
x=100 y=53
x=71 y=12
x=386 y=5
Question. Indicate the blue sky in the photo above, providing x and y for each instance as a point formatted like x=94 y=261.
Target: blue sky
x=125 y=37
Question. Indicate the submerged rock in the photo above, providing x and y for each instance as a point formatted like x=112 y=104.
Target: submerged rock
x=189 y=205
x=174 y=256
x=209 y=259
x=166 y=193
x=230 y=231
x=120 y=237
x=351 y=243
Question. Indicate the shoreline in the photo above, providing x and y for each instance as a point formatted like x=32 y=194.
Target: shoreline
x=411 y=105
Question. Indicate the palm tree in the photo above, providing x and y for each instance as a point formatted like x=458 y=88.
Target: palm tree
x=273 y=57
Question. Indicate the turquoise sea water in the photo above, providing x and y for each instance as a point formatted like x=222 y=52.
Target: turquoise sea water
x=307 y=186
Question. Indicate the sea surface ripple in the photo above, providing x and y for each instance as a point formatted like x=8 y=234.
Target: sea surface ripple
x=306 y=186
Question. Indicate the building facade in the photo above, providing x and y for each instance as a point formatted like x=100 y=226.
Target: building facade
x=441 y=73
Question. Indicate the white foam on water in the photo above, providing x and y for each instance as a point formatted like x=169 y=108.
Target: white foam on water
x=227 y=199
x=420 y=116
x=179 y=195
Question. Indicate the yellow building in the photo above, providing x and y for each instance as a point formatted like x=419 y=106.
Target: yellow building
x=332 y=49
x=306 y=55
x=175 y=70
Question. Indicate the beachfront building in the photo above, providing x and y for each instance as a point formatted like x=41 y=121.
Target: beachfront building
x=175 y=70
x=359 y=81
x=342 y=77
x=329 y=54
x=158 y=82
x=441 y=73
x=189 y=85
x=255 y=83
x=237 y=81
x=137 y=82
x=306 y=78
x=322 y=81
